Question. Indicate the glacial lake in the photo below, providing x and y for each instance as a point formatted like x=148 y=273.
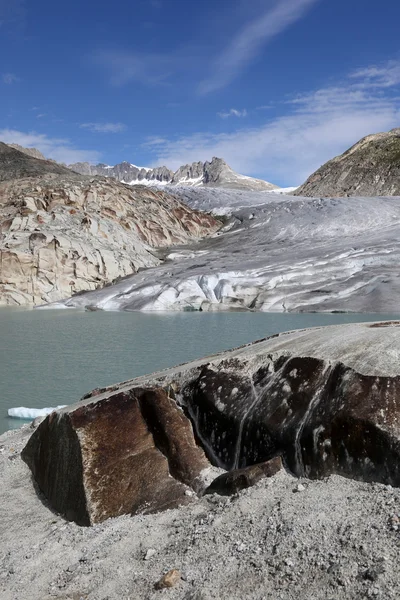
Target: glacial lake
x=53 y=357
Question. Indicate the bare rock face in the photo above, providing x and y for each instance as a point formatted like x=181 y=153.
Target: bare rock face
x=326 y=400
x=234 y=481
x=134 y=452
x=65 y=234
x=369 y=168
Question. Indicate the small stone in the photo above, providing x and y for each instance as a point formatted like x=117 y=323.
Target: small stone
x=288 y=562
x=168 y=580
x=150 y=553
x=299 y=488
x=372 y=574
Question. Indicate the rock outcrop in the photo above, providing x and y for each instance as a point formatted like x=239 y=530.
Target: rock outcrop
x=325 y=399
x=198 y=174
x=63 y=233
x=369 y=168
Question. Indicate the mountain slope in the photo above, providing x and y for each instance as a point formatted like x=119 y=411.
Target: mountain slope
x=369 y=168
x=62 y=233
x=210 y=174
x=15 y=164
x=29 y=151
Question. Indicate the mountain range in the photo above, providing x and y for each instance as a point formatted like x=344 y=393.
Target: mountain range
x=216 y=173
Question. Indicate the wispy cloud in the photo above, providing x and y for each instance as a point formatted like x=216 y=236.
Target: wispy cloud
x=315 y=127
x=383 y=76
x=61 y=150
x=103 y=127
x=233 y=112
x=123 y=67
x=154 y=141
x=9 y=78
x=251 y=39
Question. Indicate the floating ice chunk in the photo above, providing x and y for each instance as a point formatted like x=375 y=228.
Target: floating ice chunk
x=20 y=412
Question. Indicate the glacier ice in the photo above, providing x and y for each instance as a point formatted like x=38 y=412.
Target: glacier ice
x=21 y=412
x=275 y=253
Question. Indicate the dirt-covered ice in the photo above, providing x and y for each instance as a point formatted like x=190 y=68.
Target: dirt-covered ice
x=282 y=539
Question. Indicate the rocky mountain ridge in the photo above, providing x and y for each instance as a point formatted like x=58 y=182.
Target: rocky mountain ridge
x=369 y=168
x=63 y=233
x=216 y=173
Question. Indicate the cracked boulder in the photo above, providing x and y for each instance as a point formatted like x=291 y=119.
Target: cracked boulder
x=131 y=452
x=327 y=400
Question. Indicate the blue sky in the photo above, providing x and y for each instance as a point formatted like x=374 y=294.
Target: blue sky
x=276 y=87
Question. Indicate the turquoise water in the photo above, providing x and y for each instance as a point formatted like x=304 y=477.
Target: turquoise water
x=53 y=357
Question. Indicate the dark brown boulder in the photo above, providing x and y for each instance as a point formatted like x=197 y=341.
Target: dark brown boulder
x=234 y=481
x=325 y=399
x=131 y=452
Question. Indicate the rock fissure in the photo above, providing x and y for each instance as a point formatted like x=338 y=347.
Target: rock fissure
x=299 y=463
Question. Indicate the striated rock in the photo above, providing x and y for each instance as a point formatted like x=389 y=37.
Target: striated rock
x=240 y=479
x=209 y=174
x=325 y=399
x=133 y=452
x=63 y=234
x=369 y=168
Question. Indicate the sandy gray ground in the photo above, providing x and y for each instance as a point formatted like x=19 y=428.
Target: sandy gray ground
x=333 y=539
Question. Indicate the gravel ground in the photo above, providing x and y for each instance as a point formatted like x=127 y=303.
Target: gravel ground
x=283 y=539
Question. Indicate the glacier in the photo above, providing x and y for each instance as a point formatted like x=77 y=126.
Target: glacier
x=275 y=253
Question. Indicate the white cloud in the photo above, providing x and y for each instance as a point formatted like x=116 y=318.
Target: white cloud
x=251 y=39
x=383 y=76
x=233 y=112
x=9 y=78
x=61 y=150
x=103 y=127
x=286 y=149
